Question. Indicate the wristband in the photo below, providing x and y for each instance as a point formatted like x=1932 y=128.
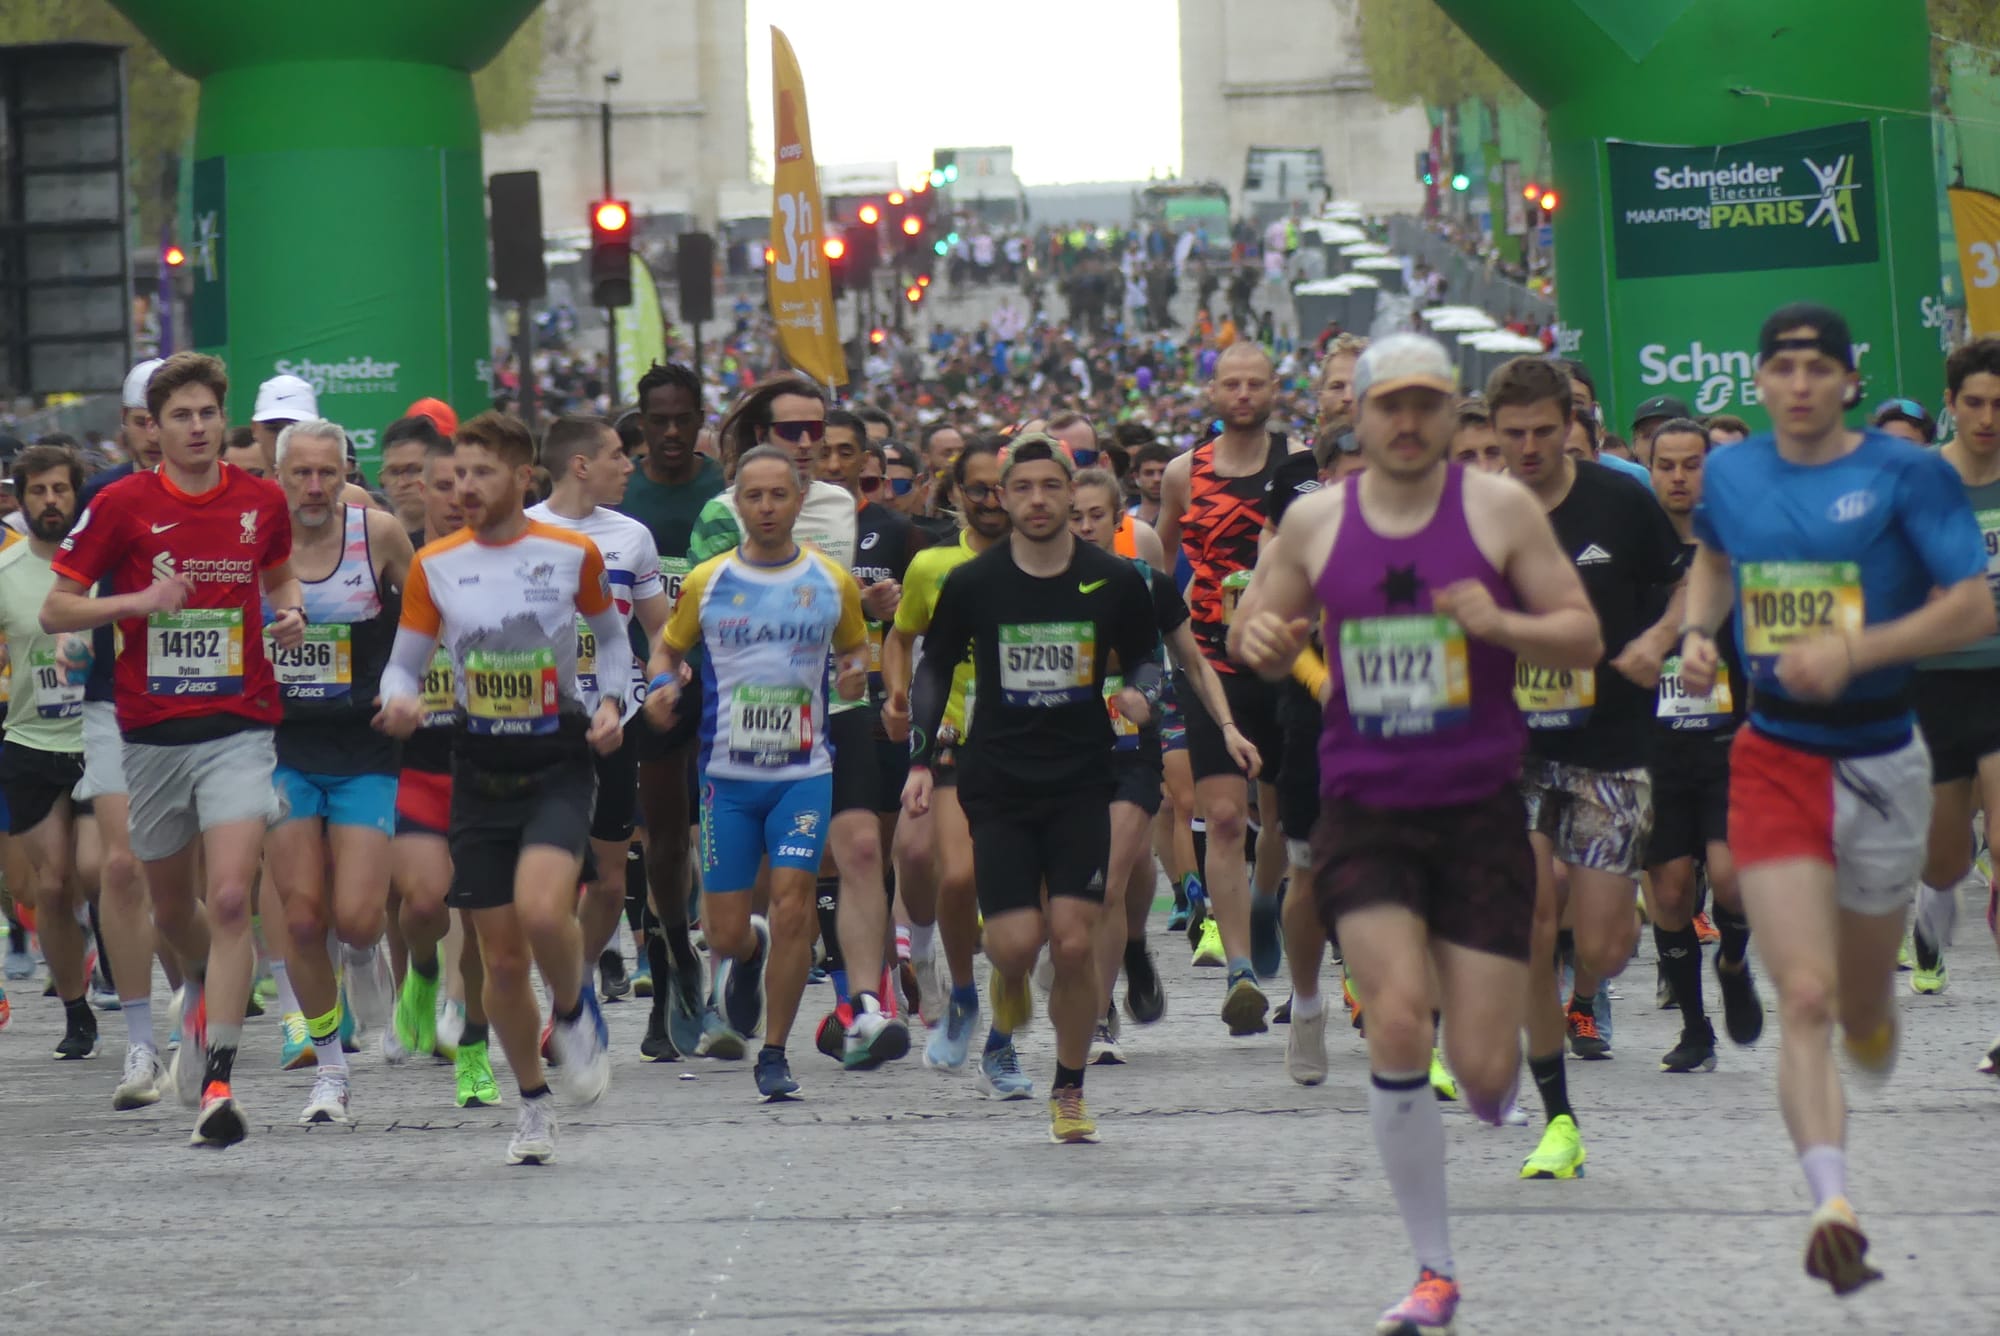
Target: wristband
x=661 y=681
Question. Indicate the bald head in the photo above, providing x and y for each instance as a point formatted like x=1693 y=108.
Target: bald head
x=1244 y=389
x=1243 y=353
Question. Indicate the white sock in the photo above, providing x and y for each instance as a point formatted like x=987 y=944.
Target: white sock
x=288 y=1001
x=139 y=1022
x=1826 y=1172
x=1305 y=1006
x=923 y=938
x=1409 y=1134
x=1937 y=914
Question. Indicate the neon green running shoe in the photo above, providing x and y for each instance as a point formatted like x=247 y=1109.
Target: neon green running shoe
x=1443 y=1083
x=298 y=1043
x=1904 y=961
x=1930 y=975
x=1561 y=1153
x=415 y=1019
x=266 y=991
x=476 y=1088
x=1208 y=950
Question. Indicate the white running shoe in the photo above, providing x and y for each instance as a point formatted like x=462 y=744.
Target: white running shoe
x=329 y=1098
x=371 y=988
x=140 y=1085
x=534 y=1133
x=1305 y=1047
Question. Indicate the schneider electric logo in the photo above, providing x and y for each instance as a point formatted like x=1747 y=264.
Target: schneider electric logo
x=1754 y=194
x=355 y=375
x=1713 y=378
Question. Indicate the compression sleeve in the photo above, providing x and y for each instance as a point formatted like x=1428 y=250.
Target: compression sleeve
x=409 y=657
x=614 y=671
x=1309 y=671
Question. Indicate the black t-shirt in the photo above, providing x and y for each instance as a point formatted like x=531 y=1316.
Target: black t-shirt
x=1628 y=554
x=1296 y=475
x=884 y=543
x=1039 y=649
x=938 y=528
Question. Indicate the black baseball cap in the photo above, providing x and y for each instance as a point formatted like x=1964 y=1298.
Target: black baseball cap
x=1660 y=406
x=1830 y=334
x=1905 y=410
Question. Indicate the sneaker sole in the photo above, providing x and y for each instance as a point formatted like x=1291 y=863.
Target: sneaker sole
x=61 y=1056
x=125 y=1102
x=1244 y=1010
x=324 y=1118
x=728 y=1048
x=991 y=1091
x=1707 y=1064
x=534 y=1157
x=1073 y=1138
x=1836 y=1253
x=219 y=1130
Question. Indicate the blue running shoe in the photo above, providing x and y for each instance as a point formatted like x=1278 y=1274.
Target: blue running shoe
x=774 y=1075
x=717 y=1039
x=951 y=1043
x=1001 y=1077
x=686 y=1003
x=1267 y=943
x=743 y=992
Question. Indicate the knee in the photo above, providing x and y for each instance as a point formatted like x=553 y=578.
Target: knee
x=1399 y=1025
x=506 y=965
x=362 y=925
x=229 y=907
x=857 y=852
x=1227 y=823
x=728 y=936
x=1487 y=1078
x=1805 y=999
x=1609 y=950
x=1069 y=946
x=305 y=924
x=793 y=914
x=120 y=875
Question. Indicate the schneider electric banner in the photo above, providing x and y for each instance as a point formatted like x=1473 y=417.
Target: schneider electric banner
x=1706 y=241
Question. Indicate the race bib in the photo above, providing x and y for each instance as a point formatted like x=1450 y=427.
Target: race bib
x=1554 y=698
x=440 y=696
x=770 y=726
x=1124 y=733
x=1233 y=585
x=55 y=696
x=1786 y=602
x=1405 y=675
x=511 y=691
x=586 y=658
x=195 y=652
x=320 y=667
x=1685 y=712
x=1989 y=530
x=673 y=570
x=1045 y=664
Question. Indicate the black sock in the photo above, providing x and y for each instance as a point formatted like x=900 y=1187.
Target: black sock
x=425 y=969
x=1565 y=947
x=221 y=1062
x=1550 y=1080
x=1680 y=961
x=1580 y=1001
x=566 y=1017
x=635 y=885
x=682 y=947
x=1068 y=1077
x=656 y=959
x=539 y=1092
x=1735 y=930
x=827 y=903
x=475 y=1033
x=77 y=1015
x=17 y=936
x=1136 y=959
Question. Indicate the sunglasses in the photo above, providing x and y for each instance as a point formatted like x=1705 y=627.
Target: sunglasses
x=1907 y=407
x=1084 y=458
x=897 y=486
x=794 y=432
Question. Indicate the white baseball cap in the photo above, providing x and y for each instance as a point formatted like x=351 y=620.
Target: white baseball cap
x=136 y=381
x=285 y=399
x=1400 y=361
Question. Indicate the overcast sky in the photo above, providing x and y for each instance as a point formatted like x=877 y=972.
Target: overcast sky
x=1086 y=91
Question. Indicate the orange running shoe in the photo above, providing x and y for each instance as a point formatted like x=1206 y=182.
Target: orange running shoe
x=220 y=1123
x=1705 y=930
x=1584 y=1039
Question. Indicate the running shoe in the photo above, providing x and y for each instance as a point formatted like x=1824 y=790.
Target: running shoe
x=139 y=1088
x=1584 y=1039
x=1903 y=960
x=1197 y=915
x=583 y=1047
x=474 y=1071
x=1560 y=1154
x=450 y=1029
x=350 y=1025
x=1874 y=1056
x=774 y=1076
x=252 y=1009
x=1990 y=1064
x=658 y=1045
x=329 y=1098
x=950 y=1043
x=1837 y=1250
x=1013 y=1004
x=1208 y=945
x=1145 y=998
x=220 y=1122
x=534 y=1140
x=1283 y=1014
x=873 y=1038
x=1705 y=931
x=371 y=988
x=1351 y=998
x=1044 y=974
x=1267 y=941
x=1930 y=975
x=266 y=990
x=547 y=1044
x=908 y=992
x=717 y=1039
x=1663 y=993
x=415 y=1023
x=830 y=1035
x=612 y=979
x=1695 y=1052
x=933 y=993
x=1305 y=1048
x=20 y=963
x=176 y=1003
x=1000 y=1075
x=1070 y=1123
x=743 y=984
x=1742 y=1009
x=6 y=1010
x=1244 y=1008
x=642 y=977
x=103 y=996
x=1428 y=1311
x=1443 y=1084
x=1104 y=1048
x=191 y=1058
x=686 y=1007
x=79 y=1039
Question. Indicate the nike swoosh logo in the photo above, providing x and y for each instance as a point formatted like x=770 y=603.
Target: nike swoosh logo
x=1092 y=587
x=162 y=528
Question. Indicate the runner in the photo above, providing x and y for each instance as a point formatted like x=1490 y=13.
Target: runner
x=1832 y=544
x=193 y=550
x=503 y=595
x=1955 y=693
x=1434 y=581
x=1038 y=783
x=1590 y=731
x=766 y=614
x=1690 y=780
x=42 y=760
x=336 y=776
x=935 y=845
x=1214 y=503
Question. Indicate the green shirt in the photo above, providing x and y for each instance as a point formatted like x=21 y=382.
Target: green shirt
x=25 y=580
x=669 y=509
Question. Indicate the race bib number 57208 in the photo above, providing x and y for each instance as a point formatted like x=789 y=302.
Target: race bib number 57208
x=1048 y=663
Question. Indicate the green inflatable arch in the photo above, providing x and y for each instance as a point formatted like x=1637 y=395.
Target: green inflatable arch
x=339 y=202
x=1717 y=158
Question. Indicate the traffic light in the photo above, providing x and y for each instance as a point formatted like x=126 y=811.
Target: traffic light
x=1461 y=182
x=836 y=262
x=912 y=226
x=1426 y=169
x=869 y=215
x=944 y=167
x=913 y=294
x=611 y=253
x=1531 y=192
x=173 y=257
x=1549 y=200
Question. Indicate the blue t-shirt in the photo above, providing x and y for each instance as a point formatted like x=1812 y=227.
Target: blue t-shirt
x=103 y=645
x=1628 y=468
x=1836 y=546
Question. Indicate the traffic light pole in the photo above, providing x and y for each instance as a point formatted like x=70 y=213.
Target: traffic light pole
x=610 y=314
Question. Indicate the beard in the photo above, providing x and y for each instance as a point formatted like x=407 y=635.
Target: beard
x=51 y=526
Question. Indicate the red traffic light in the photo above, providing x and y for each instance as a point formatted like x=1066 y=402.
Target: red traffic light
x=912 y=225
x=1549 y=201
x=913 y=294
x=834 y=248
x=173 y=257
x=870 y=214
x=1531 y=191
x=610 y=215
x=921 y=186
x=877 y=335
x=923 y=280
x=895 y=197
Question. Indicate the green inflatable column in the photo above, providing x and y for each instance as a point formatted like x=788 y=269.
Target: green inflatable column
x=1713 y=162
x=338 y=197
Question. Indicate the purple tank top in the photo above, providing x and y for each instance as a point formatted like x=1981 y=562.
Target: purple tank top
x=1422 y=715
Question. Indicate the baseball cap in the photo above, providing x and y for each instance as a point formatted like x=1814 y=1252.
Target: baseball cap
x=285 y=399
x=1400 y=361
x=136 y=381
x=1905 y=410
x=1032 y=448
x=438 y=411
x=1830 y=334
x=1660 y=406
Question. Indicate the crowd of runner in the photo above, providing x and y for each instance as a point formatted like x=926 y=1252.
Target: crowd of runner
x=1375 y=669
